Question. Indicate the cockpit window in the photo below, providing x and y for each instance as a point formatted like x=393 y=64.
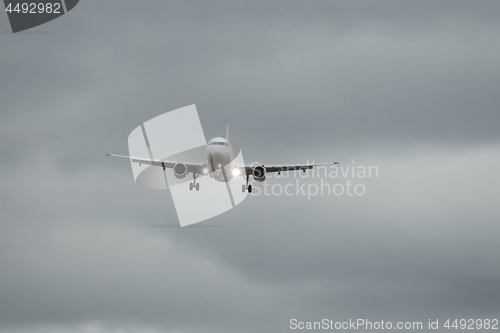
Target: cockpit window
x=218 y=144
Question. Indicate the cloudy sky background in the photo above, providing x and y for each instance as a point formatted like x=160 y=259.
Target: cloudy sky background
x=409 y=87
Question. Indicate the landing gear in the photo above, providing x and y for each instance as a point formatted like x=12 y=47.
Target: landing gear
x=246 y=186
x=194 y=184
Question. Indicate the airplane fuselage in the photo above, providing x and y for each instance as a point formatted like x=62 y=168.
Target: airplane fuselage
x=219 y=156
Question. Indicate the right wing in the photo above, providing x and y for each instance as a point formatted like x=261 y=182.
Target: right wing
x=191 y=167
x=248 y=169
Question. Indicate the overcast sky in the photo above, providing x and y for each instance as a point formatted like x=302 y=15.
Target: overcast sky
x=411 y=87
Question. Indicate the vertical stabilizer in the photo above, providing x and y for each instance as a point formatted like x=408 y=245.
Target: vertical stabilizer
x=227 y=132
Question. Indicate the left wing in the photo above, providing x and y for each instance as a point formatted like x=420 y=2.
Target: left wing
x=191 y=167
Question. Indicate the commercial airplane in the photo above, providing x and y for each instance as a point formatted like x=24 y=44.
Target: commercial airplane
x=220 y=165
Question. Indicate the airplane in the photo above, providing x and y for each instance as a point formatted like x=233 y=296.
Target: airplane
x=220 y=166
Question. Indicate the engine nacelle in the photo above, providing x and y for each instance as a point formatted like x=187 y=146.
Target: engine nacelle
x=259 y=173
x=180 y=170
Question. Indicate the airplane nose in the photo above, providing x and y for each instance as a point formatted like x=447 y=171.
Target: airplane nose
x=220 y=157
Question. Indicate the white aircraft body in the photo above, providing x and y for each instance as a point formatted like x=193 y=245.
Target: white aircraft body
x=220 y=165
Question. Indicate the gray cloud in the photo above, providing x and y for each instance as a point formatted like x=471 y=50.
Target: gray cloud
x=410 y=88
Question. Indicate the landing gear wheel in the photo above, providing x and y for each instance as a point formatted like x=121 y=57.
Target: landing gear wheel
x=246 y=186
x=194 y=184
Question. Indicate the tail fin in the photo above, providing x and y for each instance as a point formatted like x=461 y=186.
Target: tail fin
x=227 y=132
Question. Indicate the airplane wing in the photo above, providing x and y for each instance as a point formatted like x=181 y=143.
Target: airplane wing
x=286 y=167
x=199 y=168
x=191 y=167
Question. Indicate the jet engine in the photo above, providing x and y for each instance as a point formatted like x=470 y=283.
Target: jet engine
x=180 y=170
x=259 y=173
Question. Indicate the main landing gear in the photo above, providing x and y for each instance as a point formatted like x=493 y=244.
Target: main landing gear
x=246 y=186
x=194 y=184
